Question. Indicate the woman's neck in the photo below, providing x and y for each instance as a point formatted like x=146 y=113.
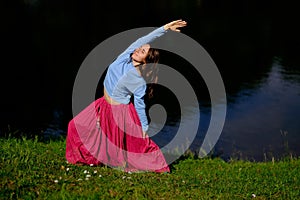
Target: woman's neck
x=135 y=63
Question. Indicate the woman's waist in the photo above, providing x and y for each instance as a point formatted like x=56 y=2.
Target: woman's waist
x=115 y=100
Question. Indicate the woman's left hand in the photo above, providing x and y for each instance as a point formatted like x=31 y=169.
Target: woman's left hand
x=145 y=135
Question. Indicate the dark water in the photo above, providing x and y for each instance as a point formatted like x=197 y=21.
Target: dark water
x=262 y=120
x=254 y=45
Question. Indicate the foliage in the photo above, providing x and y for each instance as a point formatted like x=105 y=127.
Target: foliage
x=30 y=169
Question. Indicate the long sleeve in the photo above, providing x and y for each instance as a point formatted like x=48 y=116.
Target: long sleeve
x=144 y=40
x=122 y=80
x=139 y=105
x=137 y=86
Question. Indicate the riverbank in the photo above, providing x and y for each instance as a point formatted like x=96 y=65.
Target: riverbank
x=31 y=169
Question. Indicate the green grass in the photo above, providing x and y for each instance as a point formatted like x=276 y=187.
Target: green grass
x=30 y=169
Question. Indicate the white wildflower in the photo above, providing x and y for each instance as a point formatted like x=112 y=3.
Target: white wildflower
x=85 y=172
x=55 y=181
x=95 y=172
x=88 y=176
x=253 y=195
x=79 y=179
x=91 y=165
x=123 y=177
x=68 y=169
x=100 y=175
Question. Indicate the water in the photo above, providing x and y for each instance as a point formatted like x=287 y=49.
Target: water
x=264 y=122
x=261 y=123
x=253 y=46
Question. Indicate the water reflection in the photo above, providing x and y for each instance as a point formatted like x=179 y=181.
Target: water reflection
x=262 y=122
x=257 y=120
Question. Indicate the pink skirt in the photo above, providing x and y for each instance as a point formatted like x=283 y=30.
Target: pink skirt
x=112 y=135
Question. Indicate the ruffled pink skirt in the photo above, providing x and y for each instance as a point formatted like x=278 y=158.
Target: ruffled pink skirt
x=112 y=135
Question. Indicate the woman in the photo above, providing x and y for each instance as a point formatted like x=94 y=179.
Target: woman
x=112 y=130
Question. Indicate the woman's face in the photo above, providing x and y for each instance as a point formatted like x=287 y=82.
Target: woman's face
x=140 y=54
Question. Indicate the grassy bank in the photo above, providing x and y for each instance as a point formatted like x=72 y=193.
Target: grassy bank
x=34 y=170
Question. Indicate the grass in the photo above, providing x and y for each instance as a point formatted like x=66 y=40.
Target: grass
x=30 y=169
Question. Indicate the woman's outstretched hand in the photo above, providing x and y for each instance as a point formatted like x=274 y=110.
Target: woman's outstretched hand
x=174 y=25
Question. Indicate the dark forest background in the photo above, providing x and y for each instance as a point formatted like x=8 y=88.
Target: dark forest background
x=44 y=42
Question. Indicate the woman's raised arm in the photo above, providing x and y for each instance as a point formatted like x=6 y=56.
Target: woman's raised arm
x=175 y=25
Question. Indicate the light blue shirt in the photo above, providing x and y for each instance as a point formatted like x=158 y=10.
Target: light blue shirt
x=122 y=80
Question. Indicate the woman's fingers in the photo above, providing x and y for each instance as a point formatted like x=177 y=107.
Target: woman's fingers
x=177 y=24
x=174 y=25
x=144 y=135
x=181 y=22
